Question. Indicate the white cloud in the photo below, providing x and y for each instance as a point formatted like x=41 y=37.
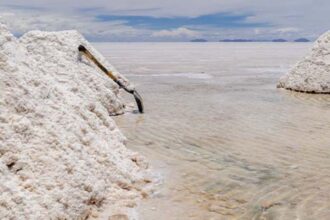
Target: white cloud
x=286 y=30
x=20 y=21
x=175 y=33
x=294 y=18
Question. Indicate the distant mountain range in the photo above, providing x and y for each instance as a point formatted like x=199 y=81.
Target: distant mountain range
x=198 y=40
x=279 y=40
x=237 y=40
x=301 y=40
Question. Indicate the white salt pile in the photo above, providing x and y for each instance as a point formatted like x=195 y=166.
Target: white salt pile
x=61 y=154
x=312 y=74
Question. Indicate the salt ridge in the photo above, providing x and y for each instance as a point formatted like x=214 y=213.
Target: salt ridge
x=312 y=74
x=61 y=154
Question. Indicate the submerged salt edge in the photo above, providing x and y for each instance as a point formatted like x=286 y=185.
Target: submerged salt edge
x=61 y=154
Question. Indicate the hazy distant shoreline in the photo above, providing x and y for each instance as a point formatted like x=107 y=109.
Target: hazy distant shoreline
x=242 y=40
x=207 y=41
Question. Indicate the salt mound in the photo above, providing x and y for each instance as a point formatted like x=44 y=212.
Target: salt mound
x=61 y=154
x=312 y=74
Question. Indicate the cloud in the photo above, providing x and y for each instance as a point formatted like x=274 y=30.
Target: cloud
x=286 y=30
x=175 y=33
x=254 y=18
x=219 y=20
x=21 y=21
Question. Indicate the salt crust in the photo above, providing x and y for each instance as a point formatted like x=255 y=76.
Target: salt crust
x=312 y=74
x=61 y=154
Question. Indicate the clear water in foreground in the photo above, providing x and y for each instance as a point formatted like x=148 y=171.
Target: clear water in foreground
x=228 y=143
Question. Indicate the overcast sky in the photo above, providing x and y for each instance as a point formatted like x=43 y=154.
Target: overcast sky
x=171 y=20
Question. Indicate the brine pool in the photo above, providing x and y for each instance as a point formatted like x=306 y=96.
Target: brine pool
x=227 y=143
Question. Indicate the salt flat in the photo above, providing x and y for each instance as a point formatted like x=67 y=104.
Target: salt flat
x=227 y=142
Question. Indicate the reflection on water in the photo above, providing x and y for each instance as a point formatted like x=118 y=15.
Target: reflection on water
x=229 y=145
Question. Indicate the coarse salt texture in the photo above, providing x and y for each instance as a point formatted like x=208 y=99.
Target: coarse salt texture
x=61 y=154
x=312 y=74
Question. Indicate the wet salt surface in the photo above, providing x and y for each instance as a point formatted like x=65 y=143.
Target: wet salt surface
x=230 y=145
x=187 y=75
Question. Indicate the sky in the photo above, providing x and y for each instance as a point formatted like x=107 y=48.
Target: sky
x=171 y=20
